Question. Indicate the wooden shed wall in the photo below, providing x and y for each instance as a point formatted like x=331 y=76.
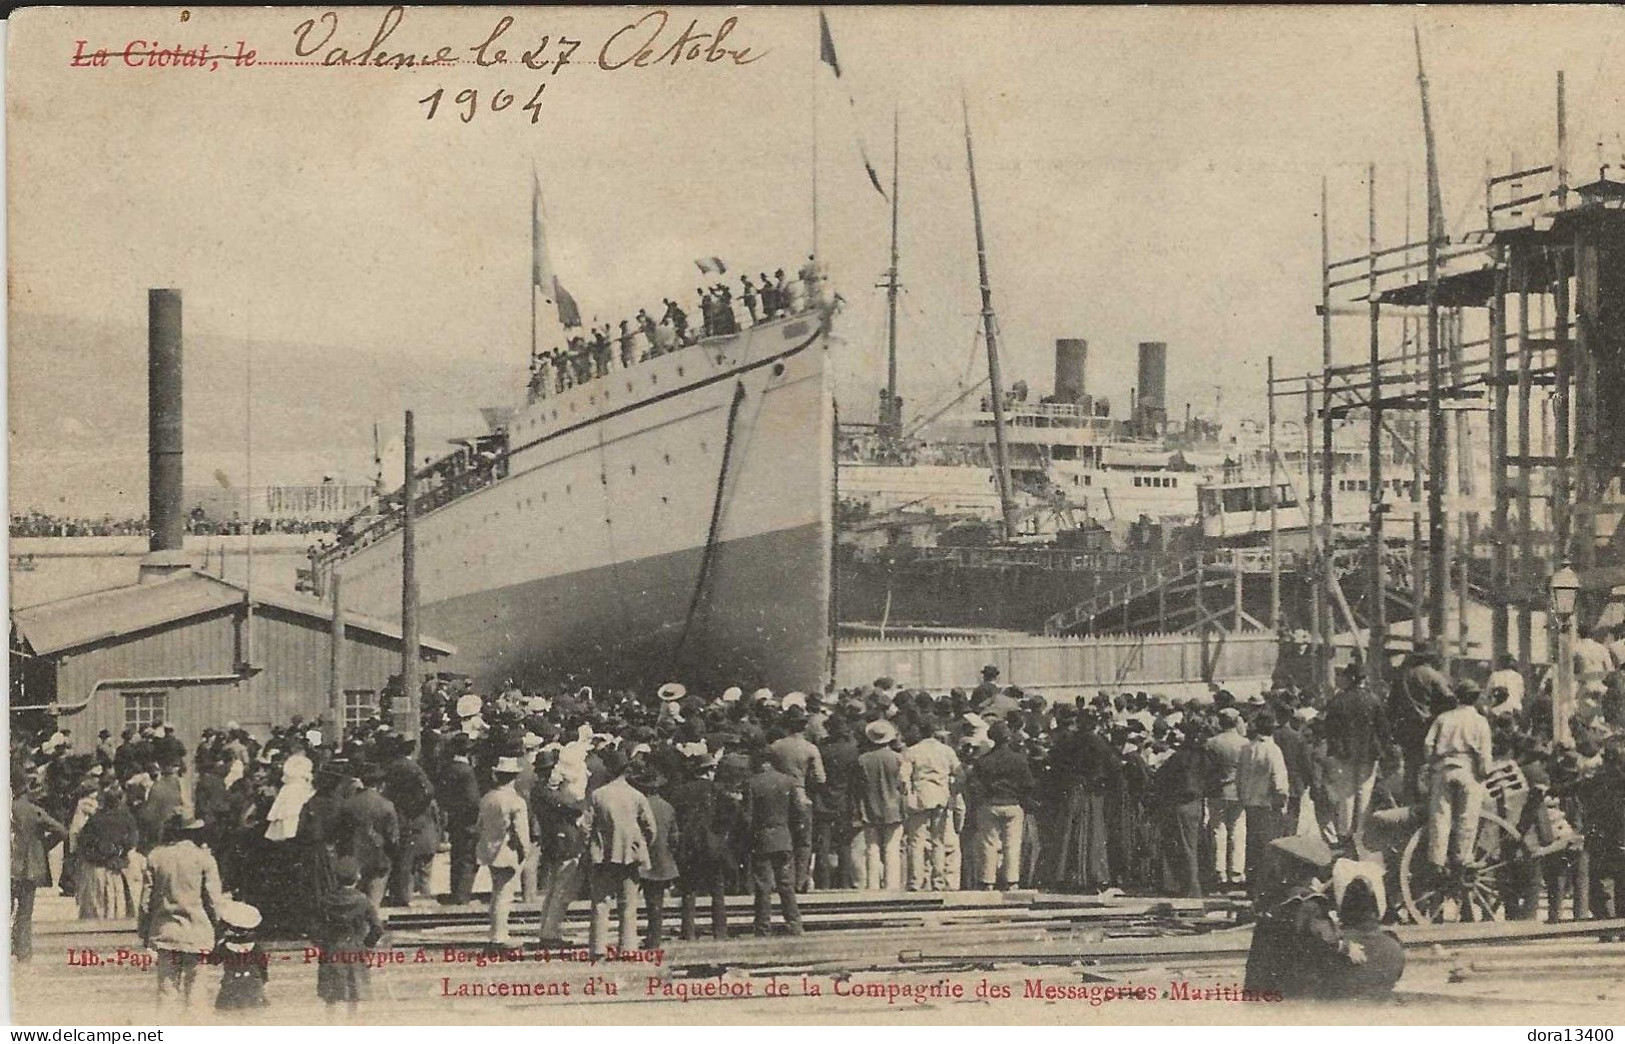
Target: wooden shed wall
x=292 y=649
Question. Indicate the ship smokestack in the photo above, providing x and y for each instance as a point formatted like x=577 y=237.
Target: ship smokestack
x=1153 y=385
x=165 y=517
x=1071 y=364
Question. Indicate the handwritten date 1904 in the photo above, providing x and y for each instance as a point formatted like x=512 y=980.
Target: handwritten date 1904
x=468 y=103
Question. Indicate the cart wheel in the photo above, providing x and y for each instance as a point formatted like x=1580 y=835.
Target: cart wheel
x=1435 y=895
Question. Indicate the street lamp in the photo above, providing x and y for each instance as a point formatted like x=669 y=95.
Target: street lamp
x=1565 y=588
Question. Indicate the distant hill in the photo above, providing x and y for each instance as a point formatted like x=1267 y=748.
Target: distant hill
x=78 y=410
x=78 y=405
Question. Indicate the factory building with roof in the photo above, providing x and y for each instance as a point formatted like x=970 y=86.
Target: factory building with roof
x=197 y=651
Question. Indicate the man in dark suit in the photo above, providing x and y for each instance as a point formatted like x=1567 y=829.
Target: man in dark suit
x=770 y=811
x=837 y=842
x=1356 y=731
x=33 y=834
x=459 y=799
x=167 y=748
x=709 y=814
x=166 y=798
x=368 y=832
x=406 y=786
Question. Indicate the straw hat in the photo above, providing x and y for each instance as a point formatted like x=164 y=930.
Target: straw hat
x=732 y=694
x=880 y=732
x=509 y=765
x=671 y=692
x=794 y=699
x=469 y=704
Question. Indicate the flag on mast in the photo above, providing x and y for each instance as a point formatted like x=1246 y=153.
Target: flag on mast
x=708 y=265
x=826 y=54
x=826 y=45
x=542 y=276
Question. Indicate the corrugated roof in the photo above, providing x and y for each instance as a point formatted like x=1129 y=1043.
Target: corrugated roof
x=72 y=623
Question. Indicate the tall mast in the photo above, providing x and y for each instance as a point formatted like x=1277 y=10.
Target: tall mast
x=892 y=422
x=990 y=326
x=815 y=78
x=1437 y=447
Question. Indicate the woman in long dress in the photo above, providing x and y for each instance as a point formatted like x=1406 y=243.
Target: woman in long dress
x=1089 y=766
x=314 y=856
x=108 y=847
x=85 y=804
x=285 y=910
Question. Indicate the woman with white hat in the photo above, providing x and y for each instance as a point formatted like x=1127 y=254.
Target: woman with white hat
x=282 y=823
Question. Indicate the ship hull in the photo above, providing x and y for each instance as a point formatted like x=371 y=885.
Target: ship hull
x=670 y=521
x=624 y=624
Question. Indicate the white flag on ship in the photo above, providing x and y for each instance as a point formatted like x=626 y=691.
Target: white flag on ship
x=542 y=276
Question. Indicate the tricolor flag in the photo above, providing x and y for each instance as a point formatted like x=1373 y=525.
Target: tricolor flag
x=826 y=54
x=708 y=265
x=541 y=271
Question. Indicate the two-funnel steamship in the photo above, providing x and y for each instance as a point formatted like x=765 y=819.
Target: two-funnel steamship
x=668 y=519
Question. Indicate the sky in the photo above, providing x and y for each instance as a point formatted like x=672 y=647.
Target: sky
x=1146 y=174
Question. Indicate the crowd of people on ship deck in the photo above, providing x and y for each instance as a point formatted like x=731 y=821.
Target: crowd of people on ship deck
x=594 y=352
x=627 y=797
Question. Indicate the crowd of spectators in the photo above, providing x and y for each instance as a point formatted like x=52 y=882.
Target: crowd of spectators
x=40 y=524
x=881 y=788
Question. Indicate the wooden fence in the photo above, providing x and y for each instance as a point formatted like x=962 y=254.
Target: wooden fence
x=1175 y=663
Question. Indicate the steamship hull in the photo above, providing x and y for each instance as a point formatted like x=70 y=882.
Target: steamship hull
x=671 y=521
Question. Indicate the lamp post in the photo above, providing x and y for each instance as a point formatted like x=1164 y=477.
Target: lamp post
x=1565 y=593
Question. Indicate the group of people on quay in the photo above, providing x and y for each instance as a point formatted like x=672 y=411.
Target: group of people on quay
x=594 y=353
x=622 y=796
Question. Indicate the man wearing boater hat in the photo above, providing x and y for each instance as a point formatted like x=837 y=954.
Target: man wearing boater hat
x=504 y=844
x=879 y=805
